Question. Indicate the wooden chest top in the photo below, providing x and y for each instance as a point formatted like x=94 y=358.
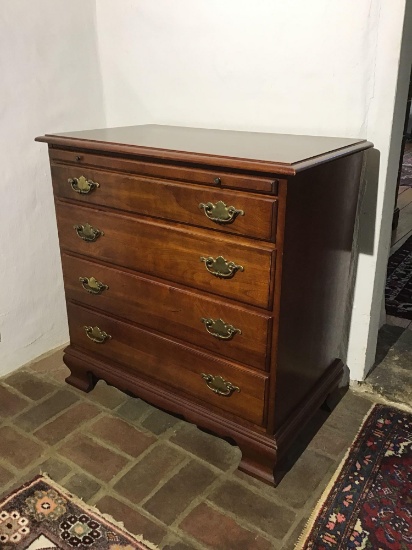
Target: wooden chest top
x=265 y=152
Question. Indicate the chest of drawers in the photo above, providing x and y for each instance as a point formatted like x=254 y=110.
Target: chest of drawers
x=207 y=272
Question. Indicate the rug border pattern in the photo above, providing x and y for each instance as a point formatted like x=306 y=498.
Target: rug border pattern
x=92 y=510
x=344 y=466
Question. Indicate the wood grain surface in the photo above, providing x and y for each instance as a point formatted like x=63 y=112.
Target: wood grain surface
x=171 y=253
x=171 y=310
x=171 y=363
x=169 y=200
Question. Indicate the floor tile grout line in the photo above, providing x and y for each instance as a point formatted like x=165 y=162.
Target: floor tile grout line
x=195 y=545
x=93 y=501
x=77 y=468
x=145 y=414
x=165 y=480
x=103 y=411
x=132 y=461
x=10 y=467
x=21 y=432
x=243 y=522
x=52 y=419
x=137 y=506
x=196 y=501
x=30 y=402
x=166 y=438
x=136 y=460
x=147 y=451
x=107 y=412
x=201 y=498
x=138 y=425
x=109 y=445
x=203 y=461
x=275 y=499
x=75 y=431
x=316 y=495
x=16 y=392
x=22 y=473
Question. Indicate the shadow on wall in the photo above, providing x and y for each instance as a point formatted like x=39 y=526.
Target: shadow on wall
x=368 y=203
x=364 y=239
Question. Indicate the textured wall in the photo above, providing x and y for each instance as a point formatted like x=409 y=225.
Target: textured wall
x=50 y=81
x=271 y=65
x=320 y=67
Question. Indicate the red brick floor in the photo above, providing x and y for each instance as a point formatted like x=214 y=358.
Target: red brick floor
x=165 y=479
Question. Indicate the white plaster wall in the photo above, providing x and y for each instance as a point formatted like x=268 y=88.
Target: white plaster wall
x=271 y=65
x=321 y=67
x=50 y=81
x=386 y=118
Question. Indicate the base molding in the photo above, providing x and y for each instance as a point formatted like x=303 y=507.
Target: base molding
x=262 y=453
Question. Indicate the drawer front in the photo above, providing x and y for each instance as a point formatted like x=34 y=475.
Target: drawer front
x=185 y=315
x=227 y=211
x=173 y=254
x=212 y=176
x=174 y=365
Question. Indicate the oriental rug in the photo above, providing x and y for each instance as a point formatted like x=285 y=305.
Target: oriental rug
x=368 y=504
x=41 y=515
x=398 y=289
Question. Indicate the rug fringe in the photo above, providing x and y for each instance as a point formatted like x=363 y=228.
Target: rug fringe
x=108 y=517
x=318 y=507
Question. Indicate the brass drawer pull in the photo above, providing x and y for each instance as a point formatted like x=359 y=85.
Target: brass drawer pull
x=82 y=185
x=92 y=285
x=97 y=335
x=87 y=232
x=219 y=385
x=219 y=267
x=220 y=329
x=220 y=213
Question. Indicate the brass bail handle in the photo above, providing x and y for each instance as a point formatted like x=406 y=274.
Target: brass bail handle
x=83 y=185
x=97 y=335
x=219 y=267
x=220 y=213
x=219 y=385
x=87 y=233
x=219 y=329
x=92 y=285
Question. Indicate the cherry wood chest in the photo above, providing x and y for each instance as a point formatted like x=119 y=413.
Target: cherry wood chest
x=206 y=271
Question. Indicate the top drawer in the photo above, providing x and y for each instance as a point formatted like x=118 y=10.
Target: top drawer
x=213 y=176
x=228 y=211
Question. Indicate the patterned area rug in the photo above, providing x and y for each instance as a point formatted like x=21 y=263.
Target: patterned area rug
x=406 y=172
x=398 y=290
x=368 y=504
x=41 y=515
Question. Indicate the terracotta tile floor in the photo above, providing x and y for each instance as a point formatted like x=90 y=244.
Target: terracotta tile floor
x=162 y=477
